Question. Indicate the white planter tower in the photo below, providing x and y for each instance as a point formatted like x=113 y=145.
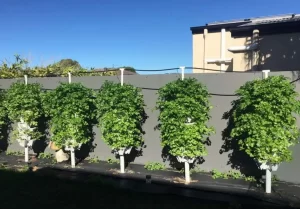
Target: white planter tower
x=186 y=162
x=122 y=152
x=23 y=138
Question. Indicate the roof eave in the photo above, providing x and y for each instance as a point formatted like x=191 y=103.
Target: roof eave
x=216 y=28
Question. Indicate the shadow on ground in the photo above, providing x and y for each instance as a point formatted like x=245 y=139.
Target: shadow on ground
x=82 y=189
x=238 y=159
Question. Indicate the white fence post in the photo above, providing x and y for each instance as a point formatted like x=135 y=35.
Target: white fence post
x=265 y=74
x=122 y=75
x=70 y=77
x=182 y=72
x=25 y=143
x=25 y=78
x=73 y=163
x=122 y=164
x=26 y=152
x=187 y=172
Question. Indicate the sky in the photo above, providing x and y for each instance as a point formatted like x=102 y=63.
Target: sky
x=153 y=34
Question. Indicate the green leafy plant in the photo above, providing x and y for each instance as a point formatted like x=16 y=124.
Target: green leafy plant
x=275 y=178
x=120 y=115
x=264 y=121
x=3 y=114
x=44 y=155
x=113 y=161
x=14 y=153
x=24 y=168
x=23 y=104
x=94 y=160
x=71 y=110
x=250 y=178
x=231 y=174
x=181 y=102
x=154 y=166
x=14 y=70
x=19 y=68
x=235 y=174
x=218 y=174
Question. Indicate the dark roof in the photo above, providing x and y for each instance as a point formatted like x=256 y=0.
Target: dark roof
x=266 y=25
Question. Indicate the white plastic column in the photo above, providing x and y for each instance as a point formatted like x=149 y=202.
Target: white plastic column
x=72 y=157
x=223 y=36
x=69 y=75
x=265 y=74
x=26 y=153
x=26 y=146
x=182 y=72
x=122 y=164
x=187 y=172
x=268 y=181
x=204 y=48
x=254 y=41
x=25 y=79
x=122 y=75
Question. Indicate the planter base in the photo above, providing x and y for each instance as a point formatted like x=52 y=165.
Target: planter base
x=61 y=156
x=185 y=159
x=123 y=151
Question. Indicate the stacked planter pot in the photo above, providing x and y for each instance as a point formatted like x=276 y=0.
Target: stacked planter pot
x=184 y=112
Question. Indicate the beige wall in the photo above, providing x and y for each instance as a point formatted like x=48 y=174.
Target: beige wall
x=276 y=52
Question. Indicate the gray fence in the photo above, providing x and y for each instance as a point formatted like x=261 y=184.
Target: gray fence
x=221 y=156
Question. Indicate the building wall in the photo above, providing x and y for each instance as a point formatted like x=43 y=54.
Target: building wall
x=217 y=83
x=276 y=52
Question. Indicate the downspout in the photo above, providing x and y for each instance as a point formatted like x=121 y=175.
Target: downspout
x=223 y=49
x=255 y=40
x=204 y=48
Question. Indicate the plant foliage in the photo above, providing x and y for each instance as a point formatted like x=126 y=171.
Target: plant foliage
x=120 y=115
x=154 y=166
x=24 y=102
x=65 y=63
x=3 y=113
x=263 y=119
x=71 y=110
x=178 y=102
x=19 y=68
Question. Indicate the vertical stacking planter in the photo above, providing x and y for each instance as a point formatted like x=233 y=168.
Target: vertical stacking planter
x=120 y=115
x=264 y=122
x=70 y=108
x=24 y=107
x=184 y=112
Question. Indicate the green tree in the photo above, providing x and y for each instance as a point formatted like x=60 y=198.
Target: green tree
x=24 y=107
x=264 y=121
x=181 y=102
x=71 y=110
x=66 y=63
x=23 y=102
x=120 y=115
x=14 y=70
x=3 y=113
